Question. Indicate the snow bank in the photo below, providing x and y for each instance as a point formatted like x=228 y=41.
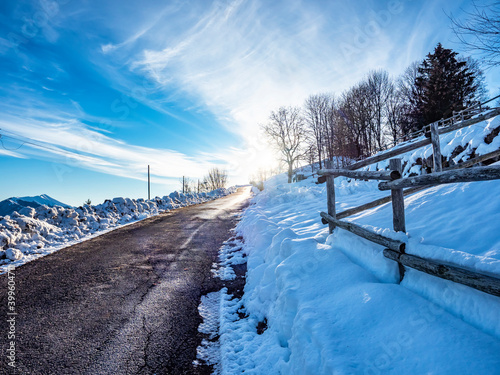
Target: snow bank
x=316 y=303
x=31 y=233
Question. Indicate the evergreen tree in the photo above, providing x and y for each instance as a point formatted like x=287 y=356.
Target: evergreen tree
x=443 y=84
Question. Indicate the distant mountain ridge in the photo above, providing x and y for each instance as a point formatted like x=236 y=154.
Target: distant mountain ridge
x=8 y=206
x=43 y=199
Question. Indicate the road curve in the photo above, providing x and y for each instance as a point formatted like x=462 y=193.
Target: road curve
x=121 y=303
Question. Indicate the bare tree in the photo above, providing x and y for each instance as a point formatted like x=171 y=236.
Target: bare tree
x=480 y=33
x=379 y=89
x=396 y=110
x=287 y=132
x=310 y=154
x=316 y=109
x=261 y=175
x=357 y=115
x=215 y=179
x=331 y=128
x=186 y=184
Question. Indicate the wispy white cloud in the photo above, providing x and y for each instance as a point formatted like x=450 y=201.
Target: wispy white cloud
x=243 y=59
x=238 y=59
x=74 y=144
x=11 y=153
x=151 y=22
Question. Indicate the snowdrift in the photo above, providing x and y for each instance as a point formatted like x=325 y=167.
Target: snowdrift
x=331 y=304
x=34 y=232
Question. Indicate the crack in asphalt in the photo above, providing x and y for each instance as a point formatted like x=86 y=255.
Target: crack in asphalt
x=146 y=346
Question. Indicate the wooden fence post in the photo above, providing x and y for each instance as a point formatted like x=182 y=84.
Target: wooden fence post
x=398 y=209
x=330 y=193
x=436 y=148
x=398 y=203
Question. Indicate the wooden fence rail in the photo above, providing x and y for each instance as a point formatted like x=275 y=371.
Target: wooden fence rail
x=423 y=142
x=361 y=175
x=363 y=232
x=478 y=159
x=476 y=280
x=446 y=177
x=378 y=202
x=375 y=203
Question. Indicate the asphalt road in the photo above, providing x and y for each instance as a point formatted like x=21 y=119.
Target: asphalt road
x=121 y=303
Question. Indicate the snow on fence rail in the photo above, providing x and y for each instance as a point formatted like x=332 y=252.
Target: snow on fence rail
x=395 y=249
x=446 y=177
x=433 y=139
x=457 y=119
x=363 y=175
x=384 y=200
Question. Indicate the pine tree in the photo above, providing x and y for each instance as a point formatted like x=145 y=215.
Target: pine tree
x=443 y=84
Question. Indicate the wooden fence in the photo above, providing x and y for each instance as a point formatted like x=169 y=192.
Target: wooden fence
x=395 y=250
x=433 y=138
x=392 y=180
x=454 y=122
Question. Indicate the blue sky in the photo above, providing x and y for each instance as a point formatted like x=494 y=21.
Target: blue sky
x=104 y=88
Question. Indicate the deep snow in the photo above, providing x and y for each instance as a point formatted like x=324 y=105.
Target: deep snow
x=332 y=303
x=34 y=232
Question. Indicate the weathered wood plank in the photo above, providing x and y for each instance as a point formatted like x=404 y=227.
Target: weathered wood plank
x=375 y=203
x=423 y=142
x=389 y=154
x=436 y=148
x=398 y=202
x=484 y=283
x=476 y=160
x=330 y=194
x=446 y=177
x=365 y=233
x=361 y=175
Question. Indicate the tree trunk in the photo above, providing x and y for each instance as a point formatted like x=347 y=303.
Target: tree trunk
x=290 y=171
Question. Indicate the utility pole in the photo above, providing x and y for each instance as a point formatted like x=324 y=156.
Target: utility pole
x=149 y=185
x=183 y=185
x=198 y=186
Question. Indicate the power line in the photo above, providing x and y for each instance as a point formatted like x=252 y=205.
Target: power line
x=32 y=142
x=10 y=149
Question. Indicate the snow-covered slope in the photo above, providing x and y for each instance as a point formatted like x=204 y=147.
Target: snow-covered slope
x=8 y=206
x=43 y=199
x=35 y=232
x=332 y=303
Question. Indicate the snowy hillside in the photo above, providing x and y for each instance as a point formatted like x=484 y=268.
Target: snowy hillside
x=8 y=206
x=43 y=199
x=35 y=232
x=316 y=303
